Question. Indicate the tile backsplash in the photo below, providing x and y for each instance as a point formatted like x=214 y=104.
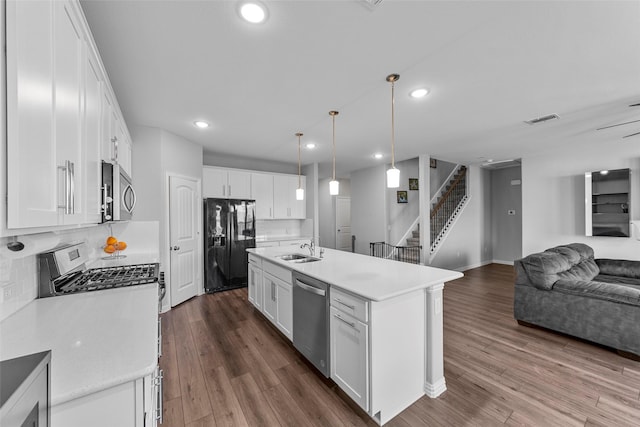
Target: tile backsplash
x=19 y=271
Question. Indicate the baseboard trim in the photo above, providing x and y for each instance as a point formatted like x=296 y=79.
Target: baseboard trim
x=435 y=390
x=469 y=267
x=497 y=261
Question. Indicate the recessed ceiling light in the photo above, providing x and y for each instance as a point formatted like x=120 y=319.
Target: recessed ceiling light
x=201 y=124
x=253 y=12
x=310 y=146
x=419 y=93
x=377 y=156
x=604 y=172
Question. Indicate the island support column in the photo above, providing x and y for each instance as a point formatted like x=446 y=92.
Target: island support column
x=434 y=384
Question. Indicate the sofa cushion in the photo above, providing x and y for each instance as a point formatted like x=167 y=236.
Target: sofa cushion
x=543 y=268
x=619 y=267
x=571 y=262
x=620 y=293
x=617 y=279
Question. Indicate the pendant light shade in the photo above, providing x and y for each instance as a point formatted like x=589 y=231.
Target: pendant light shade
x=299 y=190
x=334 y=185
x=393 y=174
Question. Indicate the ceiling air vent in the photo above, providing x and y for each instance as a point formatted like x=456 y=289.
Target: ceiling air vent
x=542 y=119
x=373 y=2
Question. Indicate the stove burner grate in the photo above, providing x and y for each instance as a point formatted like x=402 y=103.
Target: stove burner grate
x=107 y=278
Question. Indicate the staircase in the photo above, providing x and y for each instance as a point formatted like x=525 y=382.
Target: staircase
x=446 y=207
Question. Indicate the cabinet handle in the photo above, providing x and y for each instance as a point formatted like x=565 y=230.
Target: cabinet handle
x=270 y=213
x=159 y=337
x=114 y=140
x=224 y=190
x=339 y=301
x=72 y=188
x=353 y=325
x=159 y=404
x=229 y=190
x=69 y=188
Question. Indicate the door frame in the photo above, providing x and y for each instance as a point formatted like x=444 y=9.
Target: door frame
x=165 y=240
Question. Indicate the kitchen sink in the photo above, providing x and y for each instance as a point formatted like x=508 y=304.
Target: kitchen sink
x=307 y=259
x=292 y=257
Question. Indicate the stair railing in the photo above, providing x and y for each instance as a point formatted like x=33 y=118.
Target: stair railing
x=447 y=205
x=410 y=254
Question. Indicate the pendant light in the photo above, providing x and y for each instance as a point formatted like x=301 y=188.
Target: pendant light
x=300 y=190
x=334 y=185
x=393 y=174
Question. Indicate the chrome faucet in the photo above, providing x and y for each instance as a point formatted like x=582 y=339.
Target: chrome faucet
x=311 y=246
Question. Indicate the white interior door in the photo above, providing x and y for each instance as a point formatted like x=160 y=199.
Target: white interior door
x=343 y=223
x=184 y=232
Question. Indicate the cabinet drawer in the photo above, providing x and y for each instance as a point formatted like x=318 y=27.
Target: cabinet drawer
x=255 y=260
x=281 y=273
x=350 y=304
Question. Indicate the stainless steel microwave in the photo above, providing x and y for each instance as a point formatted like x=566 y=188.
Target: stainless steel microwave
x=118 y=195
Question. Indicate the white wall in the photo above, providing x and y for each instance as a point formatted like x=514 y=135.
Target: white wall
x=400 y=216
x=368 y=207
x=468 y=245
x=439 y=174
x=327 y=210
x=228 y=161
x=157 y=153
x=506 y=230
x=553 y=199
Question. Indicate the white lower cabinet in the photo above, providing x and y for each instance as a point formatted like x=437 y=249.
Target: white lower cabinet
x=349 y=344
x=255 y=286
x=132 y=404
x=269 y=292
x=284 y=308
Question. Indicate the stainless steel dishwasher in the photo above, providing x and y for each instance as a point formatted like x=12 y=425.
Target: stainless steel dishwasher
x=311 y=320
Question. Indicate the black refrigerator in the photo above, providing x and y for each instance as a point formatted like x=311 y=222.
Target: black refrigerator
x=229 y=229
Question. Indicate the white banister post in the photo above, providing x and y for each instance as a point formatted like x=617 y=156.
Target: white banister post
x=434 y=384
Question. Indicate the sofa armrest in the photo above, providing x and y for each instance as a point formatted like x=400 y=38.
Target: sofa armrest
x=619 y=267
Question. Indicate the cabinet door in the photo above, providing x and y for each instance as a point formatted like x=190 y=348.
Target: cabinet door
x=262 y=193
x=255 y=286
x=350 y=356
x=214 y=182
x=269 y=295
x=92 y=139
x=32 y=193
x=108 y=127
x=281 y=197
x=68 y=49
x=124 y=149
x=238 y=184
x=284 y=311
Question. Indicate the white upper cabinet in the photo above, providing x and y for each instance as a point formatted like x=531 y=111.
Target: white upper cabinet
x=285 y=205
x=226 y=183
x=32 y=175
x=262 y=193
x=59 y=116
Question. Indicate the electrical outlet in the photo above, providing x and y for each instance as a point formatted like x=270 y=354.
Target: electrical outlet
x=8 y=292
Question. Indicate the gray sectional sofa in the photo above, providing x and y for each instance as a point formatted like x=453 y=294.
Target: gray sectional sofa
x=565 y=289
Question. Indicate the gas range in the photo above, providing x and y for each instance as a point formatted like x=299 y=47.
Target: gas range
x=63 y=271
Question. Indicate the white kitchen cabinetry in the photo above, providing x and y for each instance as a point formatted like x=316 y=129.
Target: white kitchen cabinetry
x=255 y=281
x=277 y=293
x=132 y=404
x=226 y=183
x=55 y=88
x=349 y=344
x=269 y=293
x=116 y=142
x=285 y=205
x=262 y=193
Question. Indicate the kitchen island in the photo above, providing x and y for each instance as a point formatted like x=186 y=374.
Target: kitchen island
x=386 y=332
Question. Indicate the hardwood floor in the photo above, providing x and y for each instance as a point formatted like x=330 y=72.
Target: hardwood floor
x=225 y=365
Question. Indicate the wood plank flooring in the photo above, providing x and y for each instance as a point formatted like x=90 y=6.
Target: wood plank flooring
x=226 y=365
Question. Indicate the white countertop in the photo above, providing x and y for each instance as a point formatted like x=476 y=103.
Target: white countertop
x=372 y=278
x=98 y=339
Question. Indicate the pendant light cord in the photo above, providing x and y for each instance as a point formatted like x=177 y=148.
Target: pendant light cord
x=393 y=128
x=299 y=172
x=333 y=115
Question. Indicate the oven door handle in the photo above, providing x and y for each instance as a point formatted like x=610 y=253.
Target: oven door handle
x=311 y=289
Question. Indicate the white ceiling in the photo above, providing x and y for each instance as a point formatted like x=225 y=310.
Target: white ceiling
x=489 y=66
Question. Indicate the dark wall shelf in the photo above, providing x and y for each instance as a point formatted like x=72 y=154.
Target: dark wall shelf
x=609 y=194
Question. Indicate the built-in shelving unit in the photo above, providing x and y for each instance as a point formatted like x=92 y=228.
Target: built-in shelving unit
x=607 y=197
